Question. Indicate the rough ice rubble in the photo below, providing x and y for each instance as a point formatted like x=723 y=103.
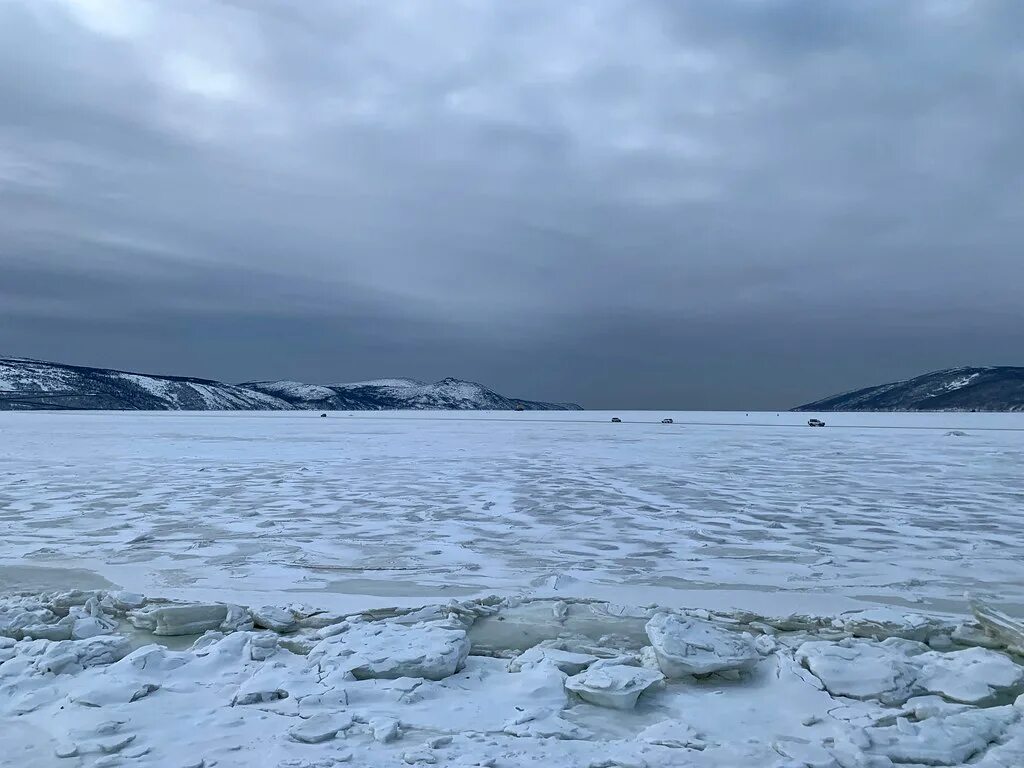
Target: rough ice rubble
x=194 y=619
x=65 y=616
x=946 y=740
x=882 y=622
x=70 y=656
x=246 y=697
x=895 y=670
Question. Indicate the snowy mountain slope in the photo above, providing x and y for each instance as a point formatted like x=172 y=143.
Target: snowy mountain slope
x=33 y=384
x=953 y=389
x=402 y=383
x=23 y=382
x=400 y=394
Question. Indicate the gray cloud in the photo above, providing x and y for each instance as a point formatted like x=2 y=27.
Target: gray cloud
x=728 y=203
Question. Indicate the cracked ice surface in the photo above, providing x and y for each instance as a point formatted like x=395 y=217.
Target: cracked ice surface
x=381 y=508
x=835 y=559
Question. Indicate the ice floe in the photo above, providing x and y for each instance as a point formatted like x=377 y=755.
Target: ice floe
x=567 y=661
x=894 y=670
x=390 y=651
x=686 y=646
x=617 y=686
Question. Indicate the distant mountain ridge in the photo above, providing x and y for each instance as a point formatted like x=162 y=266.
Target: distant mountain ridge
x=399 y=394
x=27 y=384
x=997 y=388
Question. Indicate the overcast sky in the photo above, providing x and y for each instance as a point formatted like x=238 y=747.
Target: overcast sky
x=627 y=203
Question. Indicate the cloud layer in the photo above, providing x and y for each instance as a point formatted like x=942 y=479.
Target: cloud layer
x=718 y=203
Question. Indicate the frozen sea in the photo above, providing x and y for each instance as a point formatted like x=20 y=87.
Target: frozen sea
x=727 y=590
x=723 y=510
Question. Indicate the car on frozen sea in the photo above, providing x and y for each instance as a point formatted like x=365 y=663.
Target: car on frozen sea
x=815 y=423
x=616 y=420
x=666 y=421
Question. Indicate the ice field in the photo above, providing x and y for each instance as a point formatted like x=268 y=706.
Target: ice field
x=511 y=589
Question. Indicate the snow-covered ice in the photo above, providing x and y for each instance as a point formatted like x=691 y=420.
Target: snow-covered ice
x=389 y=688
x=894 y=670
x=510 y=590
x=685 y=646
x=411 y=508
x=612 y=684
x=393 y=651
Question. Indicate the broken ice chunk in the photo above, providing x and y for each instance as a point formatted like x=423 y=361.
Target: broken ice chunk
x=418 y=757
x=686 y=646
x=862 y=669
x=568 y=662
x=180 y=619
x=268 y=684
x=262 y=646
x=949 y=740
x=126 y=601
x=385 y=730
x=544 y=723
x=69 y=656
x=674 y=734
x=319 y=728
x=999 y=624
x=66 y=749
x=275 y=619
x=617 y=686
x=884 y=622
x=92 y=627
x=237 y=619
x=390 y=651
x=895 y=670
x=972 y=634
x=59 y=631
x=971 y=676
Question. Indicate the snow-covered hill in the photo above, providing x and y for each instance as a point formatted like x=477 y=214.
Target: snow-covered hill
x=399 y=394
x=33 y=384
x=954 y=389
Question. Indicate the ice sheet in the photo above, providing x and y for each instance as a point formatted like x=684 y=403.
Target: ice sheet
x=826 y=540
x=720 y=510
